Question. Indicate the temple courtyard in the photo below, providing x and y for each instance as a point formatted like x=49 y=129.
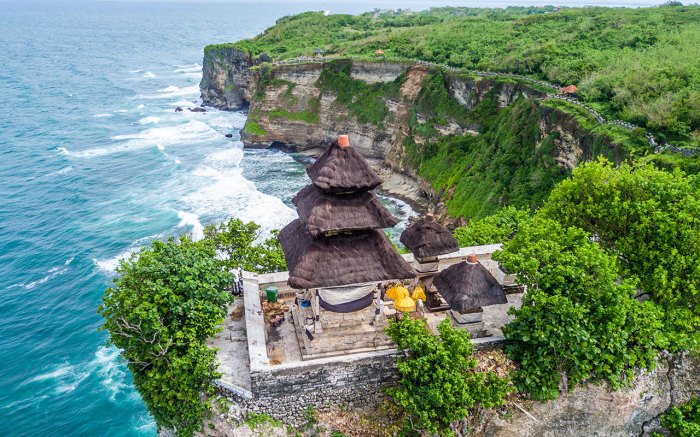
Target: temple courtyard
x=249 y=340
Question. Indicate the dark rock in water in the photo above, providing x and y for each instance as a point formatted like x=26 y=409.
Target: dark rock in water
x=197 y=109
x=229 y=135
x=178 y=109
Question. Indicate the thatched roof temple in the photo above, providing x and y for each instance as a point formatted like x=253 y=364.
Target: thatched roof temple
x=427 y=238
x=342 y=259
x=337 y=240
x=341 y=169
x=467 y=286
x=323 y=212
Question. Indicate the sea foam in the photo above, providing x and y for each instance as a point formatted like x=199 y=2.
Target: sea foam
x=188 y=219
x=189 y=133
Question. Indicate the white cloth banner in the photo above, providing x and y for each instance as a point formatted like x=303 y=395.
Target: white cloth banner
x=345 y=293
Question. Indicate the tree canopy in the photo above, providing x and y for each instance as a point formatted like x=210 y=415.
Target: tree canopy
x=439 y=382
x=650 y=220
x=241 y=246
x=169 y=298
x=577 y=321
x=492 y=229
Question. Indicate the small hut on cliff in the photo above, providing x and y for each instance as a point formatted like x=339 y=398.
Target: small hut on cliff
x=467 y=287
x=427 y=238
x=336 y=246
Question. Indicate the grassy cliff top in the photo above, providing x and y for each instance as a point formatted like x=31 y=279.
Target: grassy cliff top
x=639 y=65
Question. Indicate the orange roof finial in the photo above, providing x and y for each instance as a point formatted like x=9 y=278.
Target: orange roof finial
x=343 y=141
x=471 y=258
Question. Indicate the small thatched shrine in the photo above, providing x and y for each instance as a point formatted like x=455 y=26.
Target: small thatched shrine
x=467 y=287
x=427 y=239
x=336 y=251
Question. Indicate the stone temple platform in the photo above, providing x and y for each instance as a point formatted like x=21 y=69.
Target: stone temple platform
x=274 y=370
x=251 y=347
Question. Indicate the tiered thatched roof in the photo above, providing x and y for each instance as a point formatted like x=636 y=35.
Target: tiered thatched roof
x=427 y=238
x=322 y=212
x=342 y=169
x=466 y=286
x=364 y=256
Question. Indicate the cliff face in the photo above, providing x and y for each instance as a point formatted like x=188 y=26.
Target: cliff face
x=291 y=108
x=227 y=79
x=397 y=113
x=596 y=410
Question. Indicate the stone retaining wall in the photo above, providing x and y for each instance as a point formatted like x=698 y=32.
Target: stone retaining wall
x=286 y=391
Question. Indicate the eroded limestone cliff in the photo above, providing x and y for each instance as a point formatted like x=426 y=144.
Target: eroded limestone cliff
x=399 y=114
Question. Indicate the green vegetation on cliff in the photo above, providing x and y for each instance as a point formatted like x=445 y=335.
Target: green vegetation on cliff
x=367 y=102
x=611 y=261
x=439 y=381
x=171 y=297
x=635 y=64
x=506 y=164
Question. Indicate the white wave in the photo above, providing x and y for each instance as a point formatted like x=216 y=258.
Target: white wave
x=190 y=133
x=404 y=211
x=111 y=374
x=64 y=171
x=191 y=68
x=136 y=71
x=226 y=158
x=53 y=272
x=141 y=106
x=64 y=379
x=122 y=111
x=102 y=115
x=183 y=103
x=109 y=266
x=231 y=195
x=21 y=403
x=173 y=91
x=190 y=219
x=104 y=365
x=144 y=424
x=149 y=75
x=148 y=120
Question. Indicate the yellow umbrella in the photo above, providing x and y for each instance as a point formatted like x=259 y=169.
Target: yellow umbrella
x=418 y=293
x=405 y=304
x=396 y=292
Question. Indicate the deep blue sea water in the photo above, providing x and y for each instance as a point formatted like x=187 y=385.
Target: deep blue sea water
x=94 y=163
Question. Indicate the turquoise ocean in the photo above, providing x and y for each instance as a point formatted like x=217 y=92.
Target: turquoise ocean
x=94 y=163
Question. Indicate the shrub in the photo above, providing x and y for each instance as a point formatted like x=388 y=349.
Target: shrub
x=439 y=383
x=577 y=322
x=170 y=297
x=684 y=420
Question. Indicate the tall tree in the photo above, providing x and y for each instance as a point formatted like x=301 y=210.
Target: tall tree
x=241 y=246
x=650 y=219
x=169 y=298
x=576 y=321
